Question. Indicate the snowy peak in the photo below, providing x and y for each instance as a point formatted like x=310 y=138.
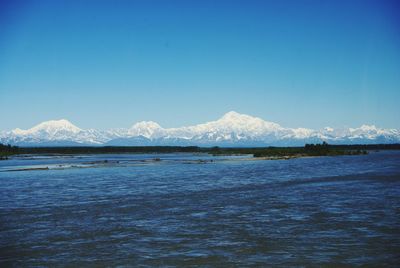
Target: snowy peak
x=51 y=127
x=234 y=116
x=232 y=129
x=243 y=122
x=148 y=129
x=368 y=128
x=57 y=132
x=146 y=124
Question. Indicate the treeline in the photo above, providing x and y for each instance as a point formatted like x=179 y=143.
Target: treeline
x=7 y=150
x=307 y=150
x=326 y=149
x=259 y=152
x=393 y=146
x=323 y=149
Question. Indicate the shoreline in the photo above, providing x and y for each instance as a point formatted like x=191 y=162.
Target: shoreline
x=121 y=163
x=266 y=153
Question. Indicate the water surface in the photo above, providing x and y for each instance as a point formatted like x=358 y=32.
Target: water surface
x=194 y=209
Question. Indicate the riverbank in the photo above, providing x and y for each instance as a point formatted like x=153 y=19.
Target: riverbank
x=323 y=149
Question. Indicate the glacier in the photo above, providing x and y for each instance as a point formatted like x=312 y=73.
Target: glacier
x=232 y=129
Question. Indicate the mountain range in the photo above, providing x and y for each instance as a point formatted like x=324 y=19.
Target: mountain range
x=232 y=129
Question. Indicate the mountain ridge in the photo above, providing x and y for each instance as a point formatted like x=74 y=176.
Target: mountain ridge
x=232 y=129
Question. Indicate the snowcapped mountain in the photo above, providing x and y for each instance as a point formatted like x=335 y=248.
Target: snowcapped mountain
x=50 y=128
x=147 y=129
x=53 y=132
x=232 y=129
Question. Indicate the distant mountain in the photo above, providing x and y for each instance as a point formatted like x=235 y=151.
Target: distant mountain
x=232 y=129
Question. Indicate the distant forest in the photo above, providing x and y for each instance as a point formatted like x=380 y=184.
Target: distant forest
x=308 y=149
x=7 y=150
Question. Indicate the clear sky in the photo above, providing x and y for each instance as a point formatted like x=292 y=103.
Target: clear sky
x=106 y=64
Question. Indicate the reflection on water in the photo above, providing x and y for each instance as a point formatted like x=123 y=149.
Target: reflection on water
x=184 y=209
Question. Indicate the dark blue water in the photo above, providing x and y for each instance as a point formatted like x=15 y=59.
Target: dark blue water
x=200 y=210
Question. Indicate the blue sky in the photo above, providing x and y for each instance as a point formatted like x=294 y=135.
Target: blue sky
x=105 y=64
